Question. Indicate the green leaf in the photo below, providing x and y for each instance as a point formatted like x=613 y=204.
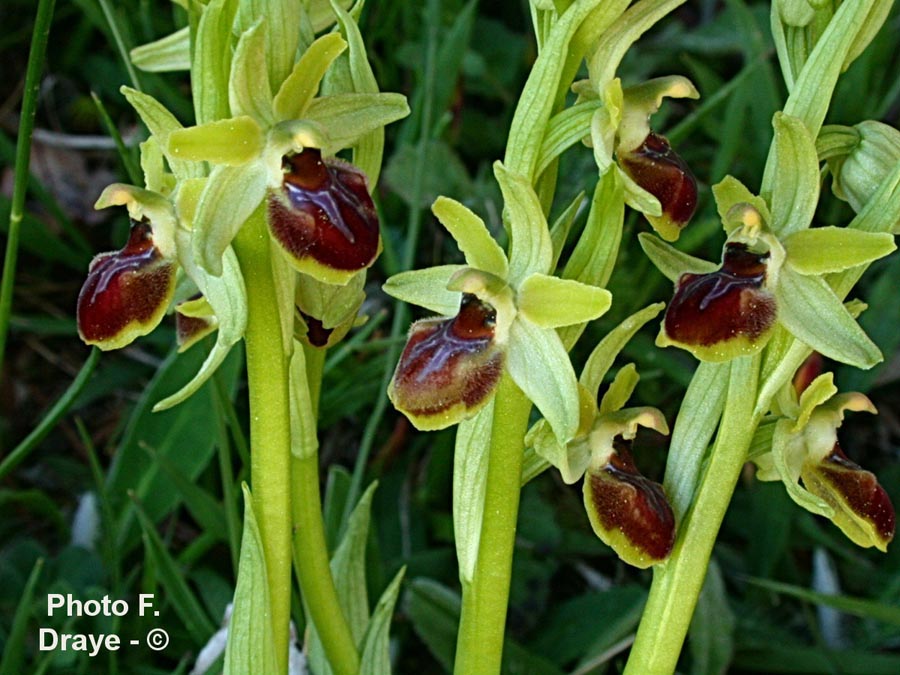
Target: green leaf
x=301 y=86
x=539 y=364
x=728 y=193
x=472 y=236
x=551 y=302
x=168 y=54
x=530 y=248
x=620 y=390
x=470 y=465
x=161 y=123
x=233 y=141
x=606 y=351
x=282 y=20
x=374 y=655
x=535 y=104
x=564 y=130
x=711 y=635
x=861 y=607
x=368 y=150
x=670 y=261
x=211 y=64
x=229 y=197
x=348 y=568
x=12 y=662
x=249 y=92
x=812 y=92
x=304 y=441
x=433 y=610
x=626 y=30
x=349 y=117
x=251 y=644
x=185 y=603
x=559 y=231
x=810 y=310
x=834 y=249
x=426 y=288
x=203 y=507
x=698 y=418
x=794 y=191
x=595 y=254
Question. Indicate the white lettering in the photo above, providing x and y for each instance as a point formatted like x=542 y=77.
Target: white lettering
x=145 y=601
x=48 y=633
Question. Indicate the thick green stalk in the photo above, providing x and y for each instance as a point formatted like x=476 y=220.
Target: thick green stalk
x=270 y=421
x=311 y=550
x=677 y=583
x=479 y=648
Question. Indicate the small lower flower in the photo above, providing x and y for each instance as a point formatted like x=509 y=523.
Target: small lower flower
x=629 y=512
x=126 y=292
x=805 y=448
x=659 y=170
x=449 y=367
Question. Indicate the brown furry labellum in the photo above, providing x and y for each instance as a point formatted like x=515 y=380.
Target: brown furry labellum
x=863 y=510
x=725 y=313
x=628 y=511
x=126 y=292
x=449 y=367
x=661 y=171
x=324 y=218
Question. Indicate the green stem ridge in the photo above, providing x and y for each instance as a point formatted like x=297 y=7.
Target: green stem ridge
x=23 y=158
x=270 y=421
x=479 y=649
x=677 y=583
x=311 y=558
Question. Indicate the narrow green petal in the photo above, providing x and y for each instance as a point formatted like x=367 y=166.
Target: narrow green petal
x=153 y=167
x=551 y=302
x=834 y=249
x=540 y=366
x=349 y=117
x=670 y=261
x=620 y=390
x=728 y=193
x=606 y=351
x=249 y=92
x=819 y=390
x=810 y=310
x=794 y=191
x=168 y=54
x=472 y=236
x=530 y=248
x=232 y=141
x=302 y=84
x=231 y=194
x=426 y=288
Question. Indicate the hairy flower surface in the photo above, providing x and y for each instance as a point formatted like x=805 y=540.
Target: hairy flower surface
x=126 y=292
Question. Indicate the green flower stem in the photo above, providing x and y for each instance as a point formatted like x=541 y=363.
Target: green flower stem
x=310 y=548
x=270 y=421
x=23 y=157
x=677 y=583
x=479 y=648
